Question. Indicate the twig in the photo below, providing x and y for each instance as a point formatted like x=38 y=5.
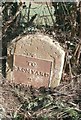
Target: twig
x=76 y=50
x=79 y=52
x=8 y=23
x=76 y=76
x=16 y=112
x=73 y=104
x=29 y=10
x=50 y=14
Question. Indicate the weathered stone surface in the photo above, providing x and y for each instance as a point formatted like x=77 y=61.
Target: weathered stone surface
x=32 y=71
x=37 y=61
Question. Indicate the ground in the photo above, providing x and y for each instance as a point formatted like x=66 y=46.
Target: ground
x=20 y=102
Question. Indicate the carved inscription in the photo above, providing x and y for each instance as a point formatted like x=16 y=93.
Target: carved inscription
x=32 y=71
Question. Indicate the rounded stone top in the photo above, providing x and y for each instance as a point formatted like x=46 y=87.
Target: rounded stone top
x=41 y=50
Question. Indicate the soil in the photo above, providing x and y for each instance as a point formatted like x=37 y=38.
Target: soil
x=24 y=103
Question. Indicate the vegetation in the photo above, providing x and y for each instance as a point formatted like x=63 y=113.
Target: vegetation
x=63 y=102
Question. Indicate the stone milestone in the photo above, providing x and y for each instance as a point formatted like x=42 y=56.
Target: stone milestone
x=35 y=60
